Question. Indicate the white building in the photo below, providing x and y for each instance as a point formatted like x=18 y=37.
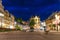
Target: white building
x=43 y=26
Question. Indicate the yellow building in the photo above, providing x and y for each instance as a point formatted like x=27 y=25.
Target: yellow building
x=6 y=19
x=37 y=22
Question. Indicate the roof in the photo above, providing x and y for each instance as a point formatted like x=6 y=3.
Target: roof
x=52 y=16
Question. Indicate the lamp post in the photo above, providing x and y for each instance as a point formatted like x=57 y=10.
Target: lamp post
x=1 y=15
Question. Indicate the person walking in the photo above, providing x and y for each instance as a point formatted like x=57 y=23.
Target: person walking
x=47 y=30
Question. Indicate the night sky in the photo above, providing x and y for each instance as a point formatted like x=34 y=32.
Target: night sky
x=26 y=8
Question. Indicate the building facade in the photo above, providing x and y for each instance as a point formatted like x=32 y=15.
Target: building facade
x=53 y=22
x=6 y=19
x=37 y=22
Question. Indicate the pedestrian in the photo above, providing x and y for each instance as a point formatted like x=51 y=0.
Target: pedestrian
x=47 y=30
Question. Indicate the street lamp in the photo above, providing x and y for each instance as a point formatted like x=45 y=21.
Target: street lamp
x=1 y=15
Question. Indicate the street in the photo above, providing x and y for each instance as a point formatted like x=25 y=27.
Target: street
x=17 y=35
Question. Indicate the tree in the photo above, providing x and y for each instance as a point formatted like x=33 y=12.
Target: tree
x=31 y=24
x=18 y=27
x=54 y=26
x=19 y=20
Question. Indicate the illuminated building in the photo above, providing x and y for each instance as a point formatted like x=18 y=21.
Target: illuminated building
x=6 y=19
x=37 y=22
x=54 y=19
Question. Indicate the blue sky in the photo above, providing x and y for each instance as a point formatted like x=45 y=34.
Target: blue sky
x=27 y=8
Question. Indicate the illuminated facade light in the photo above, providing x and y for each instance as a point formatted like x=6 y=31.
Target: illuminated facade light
x=15 y=23
x=11 y=27
x=43 y=23
x=57 y=17
x=1 y=14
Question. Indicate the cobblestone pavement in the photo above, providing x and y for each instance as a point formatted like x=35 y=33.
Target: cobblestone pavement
x=17 y=35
